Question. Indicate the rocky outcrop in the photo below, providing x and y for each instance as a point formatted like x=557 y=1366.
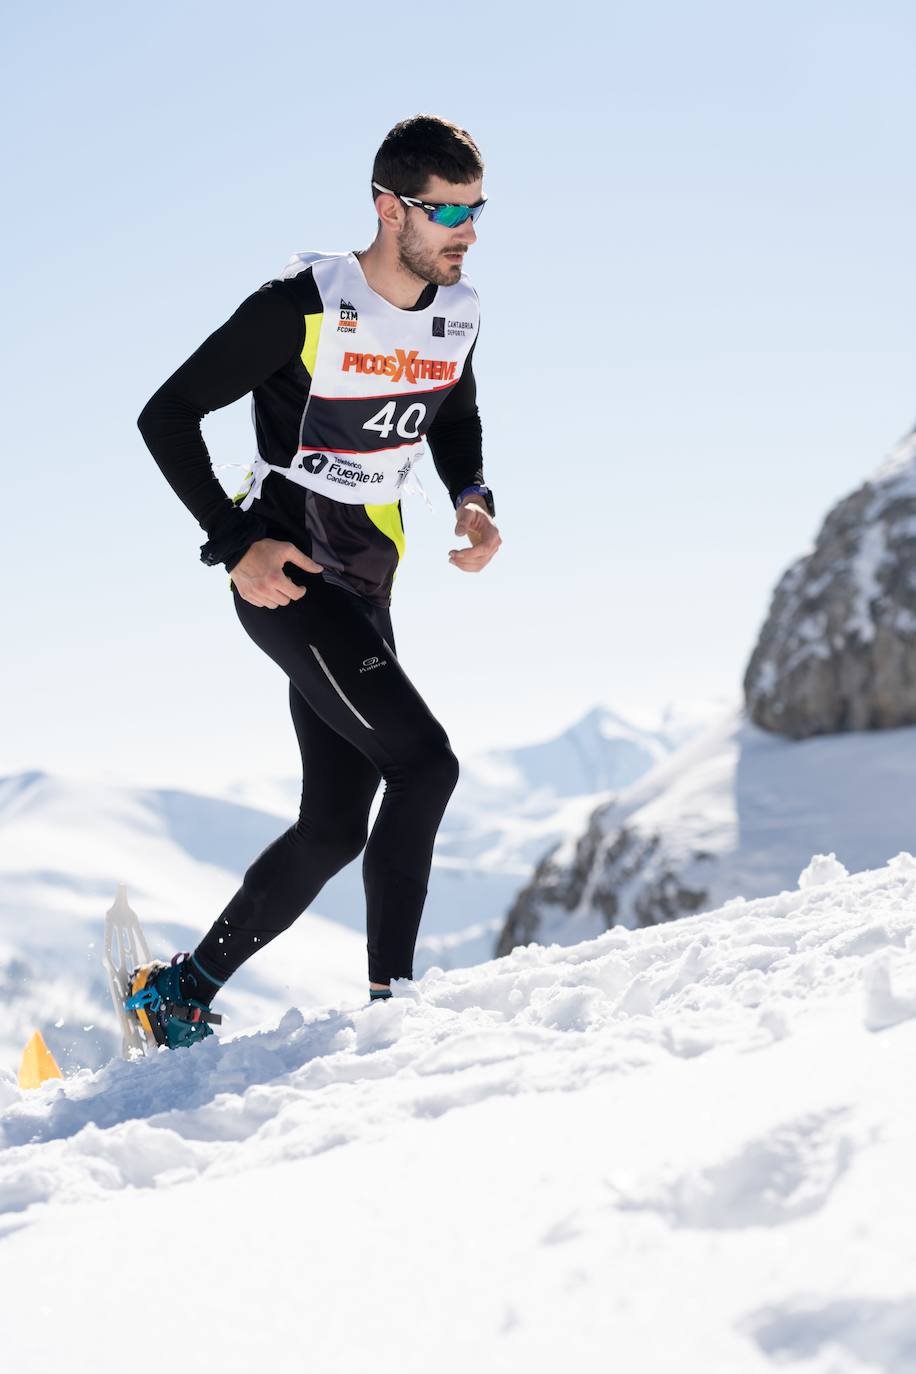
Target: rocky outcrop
x=838 y=648
x=557 y=883
x=614 y=872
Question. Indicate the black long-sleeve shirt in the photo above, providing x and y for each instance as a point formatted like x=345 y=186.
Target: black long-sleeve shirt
x=258 y=350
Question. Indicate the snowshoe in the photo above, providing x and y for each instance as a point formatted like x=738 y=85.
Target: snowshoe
x=163 y=1015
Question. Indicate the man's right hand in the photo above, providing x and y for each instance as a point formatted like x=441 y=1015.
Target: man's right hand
x=259 y=577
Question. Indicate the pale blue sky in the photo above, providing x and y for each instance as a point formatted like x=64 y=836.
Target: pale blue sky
x=696 y=274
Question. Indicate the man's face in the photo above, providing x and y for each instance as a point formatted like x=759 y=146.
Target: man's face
x=430 y=251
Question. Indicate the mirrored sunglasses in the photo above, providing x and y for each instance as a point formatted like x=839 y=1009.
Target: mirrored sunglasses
x=448 y=215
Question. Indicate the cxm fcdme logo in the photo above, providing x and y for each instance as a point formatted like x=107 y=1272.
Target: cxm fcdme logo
x=349 y=318
x=370 y=663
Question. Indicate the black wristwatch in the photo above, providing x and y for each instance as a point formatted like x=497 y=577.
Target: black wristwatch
x=479 y=488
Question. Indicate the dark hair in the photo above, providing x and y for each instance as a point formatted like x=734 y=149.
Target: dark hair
x=422 y=147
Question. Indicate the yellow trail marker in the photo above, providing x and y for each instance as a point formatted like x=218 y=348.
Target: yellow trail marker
x=38 y=1063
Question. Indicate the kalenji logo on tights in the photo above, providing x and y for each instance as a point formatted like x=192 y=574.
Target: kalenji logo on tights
x=400 y=366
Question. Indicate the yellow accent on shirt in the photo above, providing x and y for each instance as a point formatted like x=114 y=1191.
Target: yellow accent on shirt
x=388 y=519
x=310 y=347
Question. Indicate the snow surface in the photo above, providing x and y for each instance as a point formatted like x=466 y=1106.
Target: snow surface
x=681 y=1148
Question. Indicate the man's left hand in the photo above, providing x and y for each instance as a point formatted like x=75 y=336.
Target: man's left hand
x=475 y=521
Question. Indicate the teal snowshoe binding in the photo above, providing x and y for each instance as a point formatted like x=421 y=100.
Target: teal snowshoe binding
x=164 y=1016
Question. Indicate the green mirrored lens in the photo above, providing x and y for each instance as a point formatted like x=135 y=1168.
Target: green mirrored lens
x=451 y=215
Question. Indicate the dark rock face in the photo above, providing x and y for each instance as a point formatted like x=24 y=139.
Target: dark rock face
x=554 y=885
x=838 y=648
x=611 y=868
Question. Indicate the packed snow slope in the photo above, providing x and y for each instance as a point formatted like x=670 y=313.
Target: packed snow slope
x=685 y=1148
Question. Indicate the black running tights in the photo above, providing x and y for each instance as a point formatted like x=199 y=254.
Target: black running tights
x=358 y=720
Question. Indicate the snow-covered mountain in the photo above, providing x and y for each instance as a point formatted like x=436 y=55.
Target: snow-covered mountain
x=66 y=843
x=733 y=814
x=680 y=1148
x=600 y=752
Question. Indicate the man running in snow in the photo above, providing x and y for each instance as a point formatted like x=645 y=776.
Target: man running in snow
x=355 y=362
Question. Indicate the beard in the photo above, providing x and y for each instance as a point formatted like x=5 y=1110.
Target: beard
x=424 y=262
